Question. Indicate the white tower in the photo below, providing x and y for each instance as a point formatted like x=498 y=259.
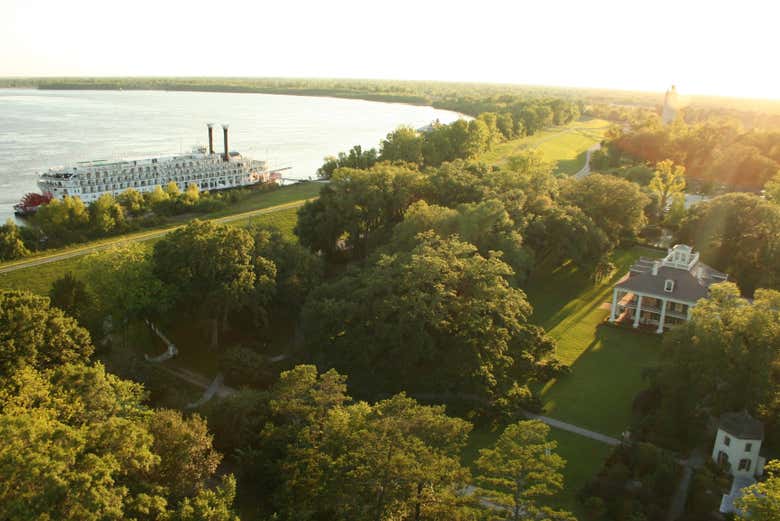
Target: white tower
x=671 y=105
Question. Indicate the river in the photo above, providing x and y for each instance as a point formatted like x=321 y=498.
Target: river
x=41 y=129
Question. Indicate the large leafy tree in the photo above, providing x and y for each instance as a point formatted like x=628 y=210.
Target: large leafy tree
x=393 y=460
x=34 y=334
x=357 y=209
x=439 y=318
x=78 y=444
x=320 y=456
x=520 y=468
x=487 y=225
x=210 y=269
x=563 y=232
x=126 y=288
x=187 y=458
x=614 y=204
x=298 y=270
x=403 y=144
x=739 y=234
x=724 y=359
x=63 y=221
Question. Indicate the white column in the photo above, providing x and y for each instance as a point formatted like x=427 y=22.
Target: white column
x=663 y=317
x=690 y=308
x=638 y=310
x=613 y=309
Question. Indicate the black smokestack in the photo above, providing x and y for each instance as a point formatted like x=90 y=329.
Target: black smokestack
x=211 y=138
x=224 y=133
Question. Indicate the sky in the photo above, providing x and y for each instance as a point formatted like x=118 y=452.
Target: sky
x=704 y=47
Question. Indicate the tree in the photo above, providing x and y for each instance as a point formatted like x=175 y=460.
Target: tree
x=739 y=234
x=11 y=243
x=156 y=197
x=393 y=460
x=677 y=211
x=209 y=268
x=173 y=190
x=439 y=318
x=506 y=125
x=403 y=144
x=72 y=296
x=761 y=501
x=187 y=458
x=563 y=232
x=357 y=209
x=721 y=360
x=667 y=182
x=132 y=201
x=298 y=271
x=772 y=189
x=521 y=467
x=106 y=215
x=62 y=221
x=357 y=158
x=79 y=444
x=487 y=225
x=33 y=334
x=124 y=283
x=318 y=455
x=614 y=204
x=209 y=504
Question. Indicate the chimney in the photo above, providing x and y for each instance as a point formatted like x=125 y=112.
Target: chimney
x=655 y=267
x=224 y=133
x=211 y=138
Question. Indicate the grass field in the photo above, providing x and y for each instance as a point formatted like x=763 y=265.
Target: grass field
x=606 y=362
x=39 y=278
x=565 y=146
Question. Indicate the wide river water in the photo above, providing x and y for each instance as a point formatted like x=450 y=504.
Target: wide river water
x=43 y=129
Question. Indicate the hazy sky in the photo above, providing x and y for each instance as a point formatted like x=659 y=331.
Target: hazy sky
x=705 y=47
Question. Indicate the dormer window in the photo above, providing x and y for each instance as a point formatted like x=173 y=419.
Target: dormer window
x=669 y=285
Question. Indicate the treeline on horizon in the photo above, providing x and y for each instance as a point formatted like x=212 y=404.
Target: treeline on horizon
x=467 y=97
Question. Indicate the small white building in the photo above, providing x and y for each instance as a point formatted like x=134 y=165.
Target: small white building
x=661 y=293
x=737 y=448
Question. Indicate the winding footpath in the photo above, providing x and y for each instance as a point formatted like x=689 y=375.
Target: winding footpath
x=585 y=170
x=140 y=237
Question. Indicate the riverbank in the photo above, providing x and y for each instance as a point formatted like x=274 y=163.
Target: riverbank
x=465 y=98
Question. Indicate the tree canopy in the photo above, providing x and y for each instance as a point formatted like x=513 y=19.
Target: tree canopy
x=520 y=468
x=724 y=359
x=34 y=334
x=739 y=234
x=78 y=444
x=439 y=318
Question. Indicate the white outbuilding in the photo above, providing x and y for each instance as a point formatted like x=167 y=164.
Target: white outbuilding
x=737 y=448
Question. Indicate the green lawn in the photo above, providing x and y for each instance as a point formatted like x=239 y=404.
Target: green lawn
x=606 y=362
x=565 y=146
x=39 y=278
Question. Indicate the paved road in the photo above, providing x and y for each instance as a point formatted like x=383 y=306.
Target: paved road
x=140 y=237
